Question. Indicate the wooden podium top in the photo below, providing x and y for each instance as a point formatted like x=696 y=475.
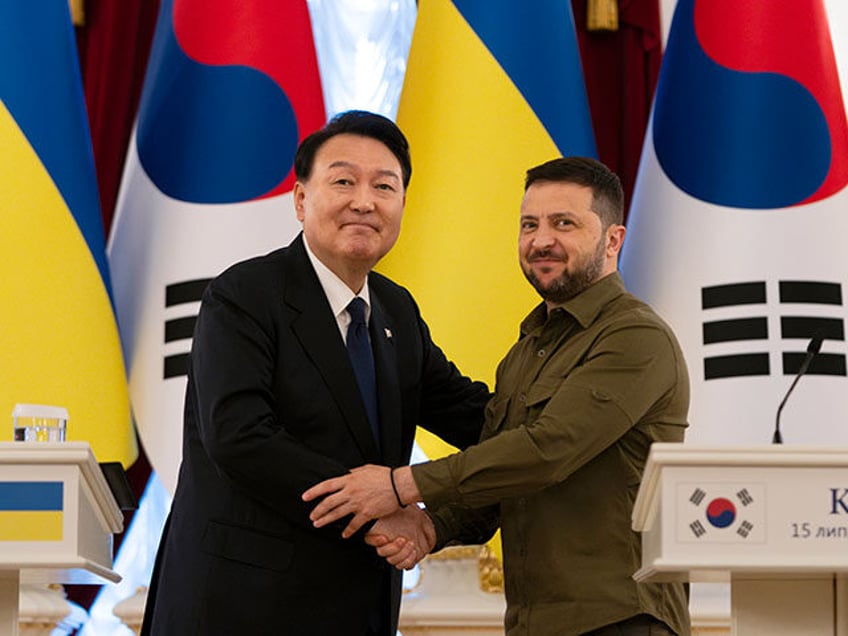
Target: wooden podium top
x=708 y=512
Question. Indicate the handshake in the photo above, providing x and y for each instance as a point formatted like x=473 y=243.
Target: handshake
x=403 y=534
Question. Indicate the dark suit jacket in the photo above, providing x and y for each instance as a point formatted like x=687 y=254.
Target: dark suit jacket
x=272 y=407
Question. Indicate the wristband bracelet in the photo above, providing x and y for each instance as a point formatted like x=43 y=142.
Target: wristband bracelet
x=394 y=487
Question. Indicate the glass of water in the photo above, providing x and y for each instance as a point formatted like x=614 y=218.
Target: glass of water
x=39 y=423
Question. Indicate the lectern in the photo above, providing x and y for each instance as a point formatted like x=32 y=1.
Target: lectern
x=771 y=520
x=57 y=518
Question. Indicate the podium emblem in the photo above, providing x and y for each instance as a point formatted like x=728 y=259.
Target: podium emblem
x=721 y=512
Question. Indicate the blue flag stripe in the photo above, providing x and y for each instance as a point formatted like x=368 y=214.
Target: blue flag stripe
x=31 y=495
x=42 y=34
x=527 y=40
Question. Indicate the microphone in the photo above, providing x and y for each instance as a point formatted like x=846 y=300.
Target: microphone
x=812 y=349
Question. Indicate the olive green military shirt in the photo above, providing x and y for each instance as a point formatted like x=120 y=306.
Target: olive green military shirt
x=578 y=401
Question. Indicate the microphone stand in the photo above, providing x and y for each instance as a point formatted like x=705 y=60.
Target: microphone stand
x=812 y=349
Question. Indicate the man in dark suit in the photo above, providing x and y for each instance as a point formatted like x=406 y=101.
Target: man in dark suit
x=275 y=404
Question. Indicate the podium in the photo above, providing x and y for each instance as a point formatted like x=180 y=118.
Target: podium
x=771 y=520
x=57 y=518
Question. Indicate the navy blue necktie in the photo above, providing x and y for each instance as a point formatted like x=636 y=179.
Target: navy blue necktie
x=362 y=359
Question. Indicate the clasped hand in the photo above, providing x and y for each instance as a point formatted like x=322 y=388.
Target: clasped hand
x=404 y=537
x=365 y=492
x=401 y=535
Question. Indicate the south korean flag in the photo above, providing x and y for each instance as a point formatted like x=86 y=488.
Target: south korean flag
x=721 y=512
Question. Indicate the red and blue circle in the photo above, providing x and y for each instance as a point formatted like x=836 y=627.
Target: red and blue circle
x=748 y=109
x=232 y=88
x=721 y=512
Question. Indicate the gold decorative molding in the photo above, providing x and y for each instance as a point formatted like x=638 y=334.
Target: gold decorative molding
x=602 y=15
x=456 y=553
x=489 y=568
x=78 y=12
x=491 y=571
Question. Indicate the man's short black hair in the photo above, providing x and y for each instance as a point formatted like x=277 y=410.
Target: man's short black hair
x=355 y=122
x=607 y=194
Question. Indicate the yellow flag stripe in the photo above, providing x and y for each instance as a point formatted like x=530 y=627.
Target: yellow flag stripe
x=60 y=339
x=472 y=136
x=29 y=525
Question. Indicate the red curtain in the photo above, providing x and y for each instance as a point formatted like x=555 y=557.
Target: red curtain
x=621 y=69
x=113 y=47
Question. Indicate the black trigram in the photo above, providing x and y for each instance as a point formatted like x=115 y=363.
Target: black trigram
x=745 y=529
x=754 y=329
x=697 y=496
x=697 y=528
x=744 y=497
x=189 y=291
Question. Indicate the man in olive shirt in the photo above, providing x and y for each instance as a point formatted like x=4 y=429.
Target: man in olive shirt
x=595 y=378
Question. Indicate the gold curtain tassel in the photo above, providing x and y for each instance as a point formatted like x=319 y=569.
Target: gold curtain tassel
x=602 y=15
x=78 y=12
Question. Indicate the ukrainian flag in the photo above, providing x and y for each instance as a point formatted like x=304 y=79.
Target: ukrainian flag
x=491 y=90
x=31 y=510
x=59 y=340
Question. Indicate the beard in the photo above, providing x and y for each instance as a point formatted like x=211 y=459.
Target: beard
x=569 y=284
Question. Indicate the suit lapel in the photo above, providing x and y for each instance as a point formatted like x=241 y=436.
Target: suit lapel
x=388 y=387
x=315 y=327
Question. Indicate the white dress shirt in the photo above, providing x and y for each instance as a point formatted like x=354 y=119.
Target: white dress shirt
x=338 y=293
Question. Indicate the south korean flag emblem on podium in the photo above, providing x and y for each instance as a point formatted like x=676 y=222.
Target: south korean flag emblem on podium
x=721 y=512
